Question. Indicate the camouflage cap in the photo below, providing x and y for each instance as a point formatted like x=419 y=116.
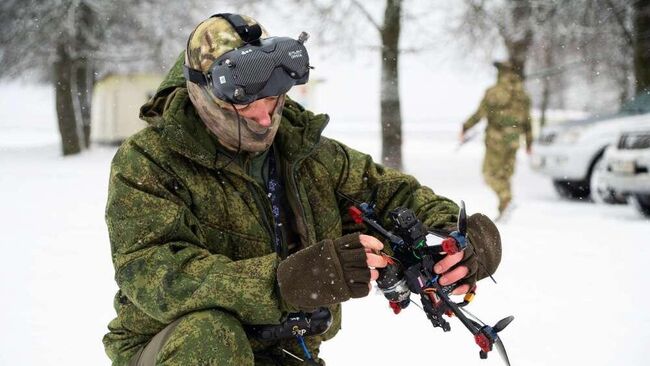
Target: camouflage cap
x=212 y=38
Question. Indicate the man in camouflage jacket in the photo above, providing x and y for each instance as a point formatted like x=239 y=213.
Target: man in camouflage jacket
x=506 y=106
x=192 y=229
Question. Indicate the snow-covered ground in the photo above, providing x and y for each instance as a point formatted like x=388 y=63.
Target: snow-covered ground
x=573 y=274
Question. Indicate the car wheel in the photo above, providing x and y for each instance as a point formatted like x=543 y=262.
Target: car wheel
x=574 y=190
x=642 y=203
x=599 y=191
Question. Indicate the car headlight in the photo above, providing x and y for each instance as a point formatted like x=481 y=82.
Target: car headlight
x=569 y=136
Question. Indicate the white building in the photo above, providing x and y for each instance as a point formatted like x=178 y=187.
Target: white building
x=116 y=106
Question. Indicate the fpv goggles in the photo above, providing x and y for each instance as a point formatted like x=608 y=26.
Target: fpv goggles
x=260 y=68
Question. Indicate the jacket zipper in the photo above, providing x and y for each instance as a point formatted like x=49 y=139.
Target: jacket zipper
x=265 y=208
x=299 y=206
x=269 y=221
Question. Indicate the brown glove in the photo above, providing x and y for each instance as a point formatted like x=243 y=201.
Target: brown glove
x=326 y=273
x=483 y=255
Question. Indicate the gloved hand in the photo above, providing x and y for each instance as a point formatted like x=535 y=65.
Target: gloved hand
x=479 y=260
x=330 y=272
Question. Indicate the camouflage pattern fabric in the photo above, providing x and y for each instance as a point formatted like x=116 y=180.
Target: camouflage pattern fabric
x=506 y=106
x=498 y=168
x=211 y=39
x=234 y=131
x=190 y=238
x=213 y=337
x=208 y=337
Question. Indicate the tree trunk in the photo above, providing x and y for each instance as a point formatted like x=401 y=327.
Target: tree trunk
x=84 y=84
x=85 y=20
x=521 y=36
x=391 y=116
x=70 y=142
x=549 y=63
x=623 y=81
x=546 y=91
x=642 y=45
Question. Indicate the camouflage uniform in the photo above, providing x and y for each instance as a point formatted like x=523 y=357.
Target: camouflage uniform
x=507 y=109
x=192 y=243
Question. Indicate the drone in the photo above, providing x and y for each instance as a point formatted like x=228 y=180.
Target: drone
x=410 y=271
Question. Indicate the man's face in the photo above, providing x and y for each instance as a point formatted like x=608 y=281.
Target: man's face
x=260 y=111
x=250 y=127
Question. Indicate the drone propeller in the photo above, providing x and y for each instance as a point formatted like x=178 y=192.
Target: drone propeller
x=487 y=334
x=501 y=324
x=502 y=351
x=462 y=219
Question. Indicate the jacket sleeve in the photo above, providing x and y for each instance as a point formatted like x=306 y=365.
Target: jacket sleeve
x=480 y=113
x=360 y=178
x=159 y=254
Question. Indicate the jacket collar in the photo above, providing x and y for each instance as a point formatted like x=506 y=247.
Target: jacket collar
x=171 y=112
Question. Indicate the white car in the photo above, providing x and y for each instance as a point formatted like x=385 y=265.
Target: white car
x=571 y=153
x=627 y=163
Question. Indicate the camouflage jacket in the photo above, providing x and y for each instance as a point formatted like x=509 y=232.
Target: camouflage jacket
x=506 y=106
x=186 y=236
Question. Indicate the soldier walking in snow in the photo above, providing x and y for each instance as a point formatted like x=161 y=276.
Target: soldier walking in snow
x=506 y=106
x=228 y=214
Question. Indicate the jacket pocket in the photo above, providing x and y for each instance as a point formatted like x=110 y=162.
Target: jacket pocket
x=237 y=246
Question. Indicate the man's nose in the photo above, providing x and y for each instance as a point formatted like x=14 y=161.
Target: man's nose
x=260 y=111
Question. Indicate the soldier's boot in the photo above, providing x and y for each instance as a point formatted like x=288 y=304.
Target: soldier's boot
x=504 y=203
x=208 y=337
x=506 y=206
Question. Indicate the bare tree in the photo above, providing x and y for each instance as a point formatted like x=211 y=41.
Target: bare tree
x=350 y=20
x=39 y=35
x=512 y=21
x=71 y=43
x=642 y=45
x=570 y=44
x=391 y=113
x=604 y=43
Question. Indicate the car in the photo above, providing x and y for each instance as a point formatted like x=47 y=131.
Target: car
x=627 y=165
x=571 y=153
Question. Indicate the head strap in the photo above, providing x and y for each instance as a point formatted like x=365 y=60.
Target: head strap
x=248 y=33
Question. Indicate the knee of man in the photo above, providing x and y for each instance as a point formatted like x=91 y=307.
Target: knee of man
x=208 y=337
